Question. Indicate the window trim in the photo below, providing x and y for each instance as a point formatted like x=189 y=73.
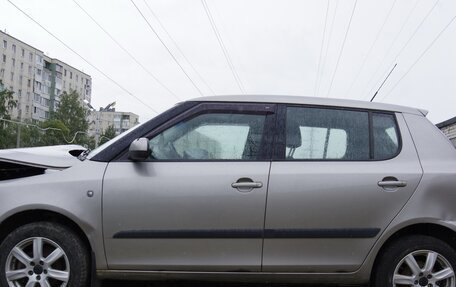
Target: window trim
x=279 y=145
x=269 y=110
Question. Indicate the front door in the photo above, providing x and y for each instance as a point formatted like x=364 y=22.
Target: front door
x=198 y=203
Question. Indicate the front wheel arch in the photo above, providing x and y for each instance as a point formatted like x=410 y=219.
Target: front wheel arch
x=30 y=216
x=37 y=215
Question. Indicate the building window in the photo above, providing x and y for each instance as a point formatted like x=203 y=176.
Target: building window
x=28 y=96
x=12 y=76
x=30 y=57
x=77 y=78
x=13 y=47
x=22 y=66
x=5 y=44
x=71 y=75
x=19 y=93
x=2 y=73
x=64 y=73
x=29 y=83
x=30 y=70
x=4 y=58
x=39 y=59
x=38 y=72
x=23 y=53
x=27 y=109
x=20 y=79
x=13 y=61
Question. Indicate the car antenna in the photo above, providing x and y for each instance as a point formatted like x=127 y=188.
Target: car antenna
x=383 y=82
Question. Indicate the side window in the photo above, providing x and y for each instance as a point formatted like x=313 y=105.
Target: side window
x=213 y=136
x=385 y=136
x=326 y=134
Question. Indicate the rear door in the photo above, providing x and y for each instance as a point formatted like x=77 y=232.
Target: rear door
x=198 y=203
x=338 y=179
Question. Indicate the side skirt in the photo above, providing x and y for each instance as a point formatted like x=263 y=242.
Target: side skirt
x=312 y=278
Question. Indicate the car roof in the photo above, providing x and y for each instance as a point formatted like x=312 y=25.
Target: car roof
x=311 y=101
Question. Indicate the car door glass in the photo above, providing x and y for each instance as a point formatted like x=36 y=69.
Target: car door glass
x=385 y=136
x=326 y=134
x=213 y=136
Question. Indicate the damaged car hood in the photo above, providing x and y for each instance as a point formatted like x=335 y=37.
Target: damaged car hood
x=48 y=157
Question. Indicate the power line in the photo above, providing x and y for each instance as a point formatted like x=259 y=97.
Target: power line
x=321 y=47
x=371 y=48
x=126 y=51
x=80 y=56
x=222 y=46
x=342 y=48
x=412 y=36
x=167 y=49
x=177 y=47
x=421 y=56
x=327 y=46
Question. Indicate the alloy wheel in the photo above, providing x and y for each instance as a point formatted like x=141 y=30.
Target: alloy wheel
x=37 y=261
x=424 y=268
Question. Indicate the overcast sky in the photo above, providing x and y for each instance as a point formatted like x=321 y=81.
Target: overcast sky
x=275 y=47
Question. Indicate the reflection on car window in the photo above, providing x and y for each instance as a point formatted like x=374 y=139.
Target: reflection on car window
x=215 y=136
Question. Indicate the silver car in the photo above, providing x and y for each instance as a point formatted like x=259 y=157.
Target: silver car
x=239 y=188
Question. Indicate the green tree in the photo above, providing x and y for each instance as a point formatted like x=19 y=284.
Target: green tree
x=68 y=124
x=107 y=134
x=31 y=134
x=7 y=129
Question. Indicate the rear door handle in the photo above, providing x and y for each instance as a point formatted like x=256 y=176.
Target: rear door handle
x=392 y=183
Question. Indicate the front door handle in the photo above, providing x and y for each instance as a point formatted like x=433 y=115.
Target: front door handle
x=245 y=184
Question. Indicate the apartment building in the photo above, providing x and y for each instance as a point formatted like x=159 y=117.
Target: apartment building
x=37 y=80
x=100 y=120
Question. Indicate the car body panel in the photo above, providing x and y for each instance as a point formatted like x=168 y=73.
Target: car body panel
x=53 y=157
x=186 y=197
x=64 y=192
x=334 y=195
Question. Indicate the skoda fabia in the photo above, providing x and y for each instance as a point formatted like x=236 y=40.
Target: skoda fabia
x=241 y=188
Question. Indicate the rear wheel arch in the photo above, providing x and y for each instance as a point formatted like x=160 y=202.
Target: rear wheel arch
x=429 y=229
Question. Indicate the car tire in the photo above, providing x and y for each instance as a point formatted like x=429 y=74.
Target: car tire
x=62 y=261
x=416 y=260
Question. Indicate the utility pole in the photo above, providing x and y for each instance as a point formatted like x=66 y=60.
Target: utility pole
x=97 y=128
x=18 y=139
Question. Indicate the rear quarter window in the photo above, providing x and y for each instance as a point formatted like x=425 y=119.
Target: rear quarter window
x=385 y=136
